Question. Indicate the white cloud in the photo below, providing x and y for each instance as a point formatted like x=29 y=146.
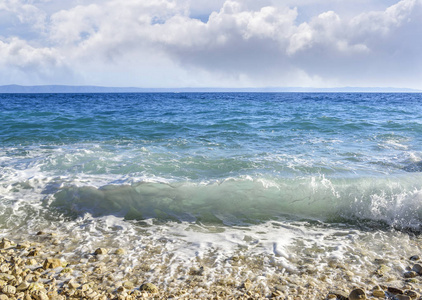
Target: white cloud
x=242 y=42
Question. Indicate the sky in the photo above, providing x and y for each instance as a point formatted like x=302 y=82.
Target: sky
x=212 y=43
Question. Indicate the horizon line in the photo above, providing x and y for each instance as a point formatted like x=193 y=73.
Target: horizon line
x=63 y=88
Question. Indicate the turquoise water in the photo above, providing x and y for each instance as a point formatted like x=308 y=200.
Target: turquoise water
x=223 y=158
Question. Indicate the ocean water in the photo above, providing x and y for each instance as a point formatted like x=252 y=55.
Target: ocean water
x=289 y=177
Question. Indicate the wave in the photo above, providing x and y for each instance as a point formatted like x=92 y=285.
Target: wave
x=395 y=202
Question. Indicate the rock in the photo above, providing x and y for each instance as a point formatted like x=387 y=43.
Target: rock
x=276 y=294
x=128 y=285
x=32 y=253
x=101 y=251
x=415 y=257
x=394 y=290
x=6 y=277
x=4 y=297
x=120 y=251
x=382 y=270
x=22 y=246
x=417 y=268
x=357 y=294
x=40 y=295
x=36 y=286
x=5 y=243
x=412 y=294
x=149 y=287
x=72 y=284
x=9 y=290
x=378 y=293
x=331 y=296
x=339 y=294
x=52 y=263
x=23 y=286
x=410 y=274
x=403 y=297
x=247 y=284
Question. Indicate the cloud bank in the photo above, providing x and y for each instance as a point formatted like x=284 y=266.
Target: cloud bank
x=170 y=43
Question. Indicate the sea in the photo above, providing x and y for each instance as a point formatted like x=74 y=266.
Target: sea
x=242 y=185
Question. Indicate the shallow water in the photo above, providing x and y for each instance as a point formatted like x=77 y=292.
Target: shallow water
x=278 y=181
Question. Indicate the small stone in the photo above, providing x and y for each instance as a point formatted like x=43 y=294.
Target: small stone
x=72 y=284
x=120 y=251
x=120 y=289
x=22 y=246
x=31 y=262
x=149 y=287
x=417 y=268
x=403 y=297
x=128 y=285
x=40 y=295
x=410 y=274
x=341 y=295
x=382 y=270
x=52 y=263
x=36 y=286
x=394 y=290
x=331 y=296
x=23 y=286
x=378 y=293
x=4 y=297
x=40 y=233
x=9 y=290
x=277 y=293
x=6 y=277
x=5 y=243
x=357 y=294
x=415 y=257
x=32 y=253
x=91 y=294
x=247 y=284
x=101 y=251
x=412 y=294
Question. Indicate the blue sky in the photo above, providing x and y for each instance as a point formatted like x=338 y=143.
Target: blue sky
x=219 y=43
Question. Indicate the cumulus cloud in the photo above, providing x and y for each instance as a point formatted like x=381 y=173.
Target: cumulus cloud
x=241 y=42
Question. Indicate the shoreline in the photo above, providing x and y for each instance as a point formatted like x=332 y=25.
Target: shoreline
x=41 y=267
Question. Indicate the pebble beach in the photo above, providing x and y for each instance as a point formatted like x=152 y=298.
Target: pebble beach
x=41 y=268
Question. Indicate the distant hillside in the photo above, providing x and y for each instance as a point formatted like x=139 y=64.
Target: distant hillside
x=99 y=89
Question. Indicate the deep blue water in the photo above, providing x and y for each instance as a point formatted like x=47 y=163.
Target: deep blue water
x=218 y=157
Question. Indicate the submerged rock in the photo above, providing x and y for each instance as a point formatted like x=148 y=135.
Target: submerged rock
x=410 y=274
x=378 y=293
x=101 y=251
x=415 y=257
x=149 y=287
x=417 y=268
x=357 y=294
x=341 y=295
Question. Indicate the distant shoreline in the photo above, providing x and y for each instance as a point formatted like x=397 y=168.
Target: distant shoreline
x=69 y=89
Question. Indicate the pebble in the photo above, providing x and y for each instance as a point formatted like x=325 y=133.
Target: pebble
x=417 y=268
x=52 y=263
x=9 y=290
x=357 y=294
x=415 y=257
x=410 y=274
x=378 y=293
x=101 y=251
x=403 y=297
x=394 y=290
x=120 y=251
x=149 y=287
